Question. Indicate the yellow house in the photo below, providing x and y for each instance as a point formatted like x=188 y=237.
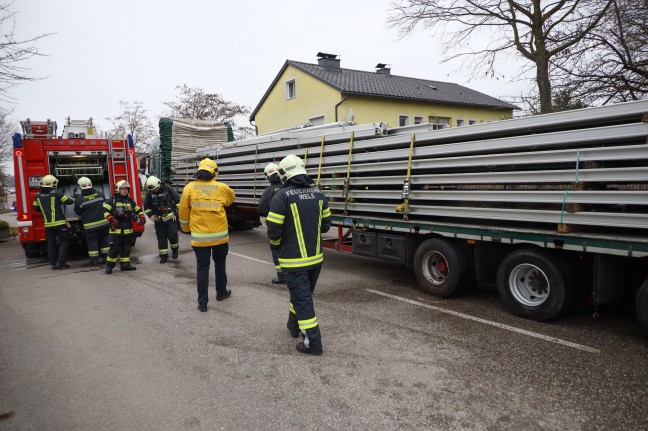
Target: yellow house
x=325 y=93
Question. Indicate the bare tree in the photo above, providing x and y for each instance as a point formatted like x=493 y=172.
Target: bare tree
x=612 y=63
x=7 y=129
x=539 y=30
x=14 y=52
x=195 y=104
x=133 y=120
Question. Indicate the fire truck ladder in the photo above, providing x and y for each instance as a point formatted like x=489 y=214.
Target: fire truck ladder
x=118 y=168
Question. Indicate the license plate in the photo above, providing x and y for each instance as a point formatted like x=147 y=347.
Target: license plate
x=347 y=222
x=34 y=182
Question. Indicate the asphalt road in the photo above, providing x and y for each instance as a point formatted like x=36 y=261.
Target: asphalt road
x=82 y=350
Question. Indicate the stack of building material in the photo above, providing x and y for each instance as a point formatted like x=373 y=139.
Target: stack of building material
x=181 y=137
x=577 y=170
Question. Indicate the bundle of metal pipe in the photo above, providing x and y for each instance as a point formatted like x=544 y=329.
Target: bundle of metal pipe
x=586 y=167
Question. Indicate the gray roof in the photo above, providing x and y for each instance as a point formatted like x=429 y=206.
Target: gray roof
x=349 y=81
x=375 y=84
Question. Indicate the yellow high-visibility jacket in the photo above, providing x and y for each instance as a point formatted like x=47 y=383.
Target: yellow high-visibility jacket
x=202 y=212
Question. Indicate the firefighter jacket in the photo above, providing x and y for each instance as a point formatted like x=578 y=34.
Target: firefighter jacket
x=162 y=204
x=268 y=193
x=89 y=206
x=125 y=210
x=299 y=214
x=48 y=202
x=202 y=212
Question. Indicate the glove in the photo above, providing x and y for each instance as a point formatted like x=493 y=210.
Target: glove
x=142 y=220
x=113 y=222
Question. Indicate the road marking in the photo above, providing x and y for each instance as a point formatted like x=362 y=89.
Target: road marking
x=251 y=258
x=488 y=322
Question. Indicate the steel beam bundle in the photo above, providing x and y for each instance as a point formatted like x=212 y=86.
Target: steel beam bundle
x=587 y=168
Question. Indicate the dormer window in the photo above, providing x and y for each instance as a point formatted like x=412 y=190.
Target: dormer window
x=291 y=91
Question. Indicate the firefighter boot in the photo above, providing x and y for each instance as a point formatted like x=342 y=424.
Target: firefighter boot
x=109 y=268
x=292 y=325
x=128 y=267
x=281 y=278
x=174 y=252
x=164 y=258
x=301 y=347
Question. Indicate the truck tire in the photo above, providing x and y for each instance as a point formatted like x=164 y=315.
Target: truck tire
x=441 y=268
x=33 y=251
x=641 y=304
x=535 y=284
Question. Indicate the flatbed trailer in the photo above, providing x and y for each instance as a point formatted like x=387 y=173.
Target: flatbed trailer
x=553 y=208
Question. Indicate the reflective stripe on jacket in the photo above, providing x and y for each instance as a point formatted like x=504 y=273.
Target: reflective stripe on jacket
x=89 y=206
x=162 y=204
x=48 y=202
x=202 y=212
x=297 y=218
x=124 y=209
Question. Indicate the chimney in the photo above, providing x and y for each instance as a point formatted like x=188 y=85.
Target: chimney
x=383 y=69
x=328 y=61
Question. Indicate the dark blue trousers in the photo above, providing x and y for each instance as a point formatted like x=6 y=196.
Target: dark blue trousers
x=217 y=253
x=301 y=285
x=58 y=243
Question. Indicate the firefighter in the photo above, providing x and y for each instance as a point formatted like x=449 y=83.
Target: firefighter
x=57 y=230
x=89 y=206
x=271 y=172
x=161 y=205
x=121 y=211
x=202 y=212
x=298 y=215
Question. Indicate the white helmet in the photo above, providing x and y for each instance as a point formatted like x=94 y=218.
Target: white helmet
x=153 y=183
x=123 y=184
x=49 y=181
x=270 y=169
x=290 y=166
x=84 y=183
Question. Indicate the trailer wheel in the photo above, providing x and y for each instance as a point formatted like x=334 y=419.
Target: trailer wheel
x=441 y=268
x=642 y=307
x=534 y=284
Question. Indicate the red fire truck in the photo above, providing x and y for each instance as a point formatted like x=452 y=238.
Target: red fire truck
x=77 y=153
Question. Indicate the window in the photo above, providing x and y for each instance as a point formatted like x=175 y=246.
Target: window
x=471 y=122
x=291 y=91
x=460 y=122
x=418 y=120
x=317 y=121
x=403 y=120
x=439 y=122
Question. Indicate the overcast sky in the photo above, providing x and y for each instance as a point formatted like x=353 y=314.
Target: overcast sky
x=139 y=50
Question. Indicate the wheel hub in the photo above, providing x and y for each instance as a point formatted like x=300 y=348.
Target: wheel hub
x=435 y=268
x=529 y=285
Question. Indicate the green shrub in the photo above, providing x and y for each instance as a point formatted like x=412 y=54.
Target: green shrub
x=4 y=225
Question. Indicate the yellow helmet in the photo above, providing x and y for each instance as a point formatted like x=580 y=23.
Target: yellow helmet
x=270 y=169
x=153 y=183
x=290 y=166
x=208 y=165
x=121 y=185
x=84 y=183
x=49 y=181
